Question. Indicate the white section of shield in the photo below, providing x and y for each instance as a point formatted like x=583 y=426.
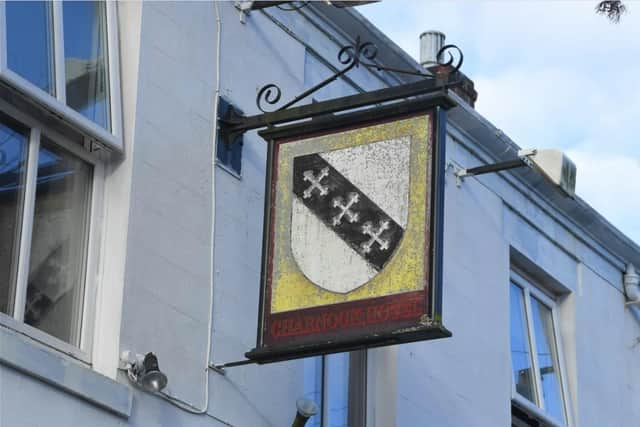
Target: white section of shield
x=322 y=256
x=381 y=171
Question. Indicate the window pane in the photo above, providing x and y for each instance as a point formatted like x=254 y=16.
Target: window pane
x=336 y=389
x=85 y=49
x=520 y=353
x=229 y=155
x=13 y=160
x=56 y=268
x=313 y=387
x=29 y=42
x=547 y=359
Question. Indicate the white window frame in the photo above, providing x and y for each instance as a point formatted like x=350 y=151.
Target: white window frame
x=356 y=389
x=111 y=137
x=529 y=289
x=84 y=351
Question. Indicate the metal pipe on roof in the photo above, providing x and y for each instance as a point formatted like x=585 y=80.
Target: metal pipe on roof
x=430 y=44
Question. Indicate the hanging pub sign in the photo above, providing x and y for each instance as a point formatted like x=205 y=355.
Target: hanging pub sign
x=353 y=234
x=354 y=197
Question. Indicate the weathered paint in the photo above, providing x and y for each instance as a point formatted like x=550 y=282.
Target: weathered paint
x=406 y=271
x=334 y=239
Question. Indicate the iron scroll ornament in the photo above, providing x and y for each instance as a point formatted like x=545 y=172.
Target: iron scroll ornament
x=353 y=56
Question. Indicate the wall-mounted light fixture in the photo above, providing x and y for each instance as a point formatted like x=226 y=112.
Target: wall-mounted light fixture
x=554 y=165
x=143 y=371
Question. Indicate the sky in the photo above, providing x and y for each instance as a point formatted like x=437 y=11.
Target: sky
x=549 y=74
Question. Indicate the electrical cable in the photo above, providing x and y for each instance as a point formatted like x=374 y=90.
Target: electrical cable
x=179 y=403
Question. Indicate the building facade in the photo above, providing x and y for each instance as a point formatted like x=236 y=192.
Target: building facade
x=127 y=227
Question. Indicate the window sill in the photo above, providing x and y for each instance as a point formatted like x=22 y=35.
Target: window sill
x=535 y=412
x=228 y=170
x=44 y=339
x=36 y=103
x=18 y=352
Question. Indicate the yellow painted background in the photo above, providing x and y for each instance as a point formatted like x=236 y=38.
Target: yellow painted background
x=406 y=270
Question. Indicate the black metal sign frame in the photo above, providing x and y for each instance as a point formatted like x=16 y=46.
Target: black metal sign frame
x=430 y=325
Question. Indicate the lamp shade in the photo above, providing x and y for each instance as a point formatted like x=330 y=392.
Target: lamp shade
x=151 y=378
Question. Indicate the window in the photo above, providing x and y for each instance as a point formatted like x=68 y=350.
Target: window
x=336 y=390
x=313 y=374
x=538 y=384
x=85 y=63
x=30 y=53
x=337 y=383
x=46 y=192
x=229 y=156
x=61 y=54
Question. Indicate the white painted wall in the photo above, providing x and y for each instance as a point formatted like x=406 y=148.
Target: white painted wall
x=167 y=271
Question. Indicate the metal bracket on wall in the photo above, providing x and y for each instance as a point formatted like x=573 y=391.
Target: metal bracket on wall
x=221 y=367
x=445 y=75
x=522 y=160
x=246 y=6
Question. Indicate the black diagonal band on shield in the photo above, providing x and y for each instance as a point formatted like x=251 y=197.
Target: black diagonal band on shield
x=344 y=209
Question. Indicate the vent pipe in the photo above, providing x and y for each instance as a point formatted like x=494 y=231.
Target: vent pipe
x=430 y=44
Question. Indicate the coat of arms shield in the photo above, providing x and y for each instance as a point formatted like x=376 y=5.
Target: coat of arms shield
x=349 y=211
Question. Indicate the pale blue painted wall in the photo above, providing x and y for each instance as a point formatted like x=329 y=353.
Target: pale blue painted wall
x=461 y=381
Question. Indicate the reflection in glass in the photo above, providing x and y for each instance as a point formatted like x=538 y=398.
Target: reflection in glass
x=547 y=359
x=56 y=269
x=336 y=392
x=313 y=387
x=85 y=50
x=13 y=160
x=520 y=353
x=29 y=42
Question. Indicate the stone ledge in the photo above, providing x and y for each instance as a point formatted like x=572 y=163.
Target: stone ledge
x=57 y=370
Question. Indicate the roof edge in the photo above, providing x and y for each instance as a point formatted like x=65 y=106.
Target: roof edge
x=496 y=143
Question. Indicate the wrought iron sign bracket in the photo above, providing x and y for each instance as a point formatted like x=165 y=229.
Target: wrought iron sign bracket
x=444 y=76
x=413 y=113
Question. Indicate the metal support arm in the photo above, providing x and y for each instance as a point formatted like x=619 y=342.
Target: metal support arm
x=522 y=160
x=446 y=76
x=496 y=167
x=234 y=124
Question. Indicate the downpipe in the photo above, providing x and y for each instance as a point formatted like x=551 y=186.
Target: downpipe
x=631 y=281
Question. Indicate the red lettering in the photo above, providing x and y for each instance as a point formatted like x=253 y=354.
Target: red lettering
x=371 y=315
x=332 y=321
x=275 y=328
x=355 y=317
